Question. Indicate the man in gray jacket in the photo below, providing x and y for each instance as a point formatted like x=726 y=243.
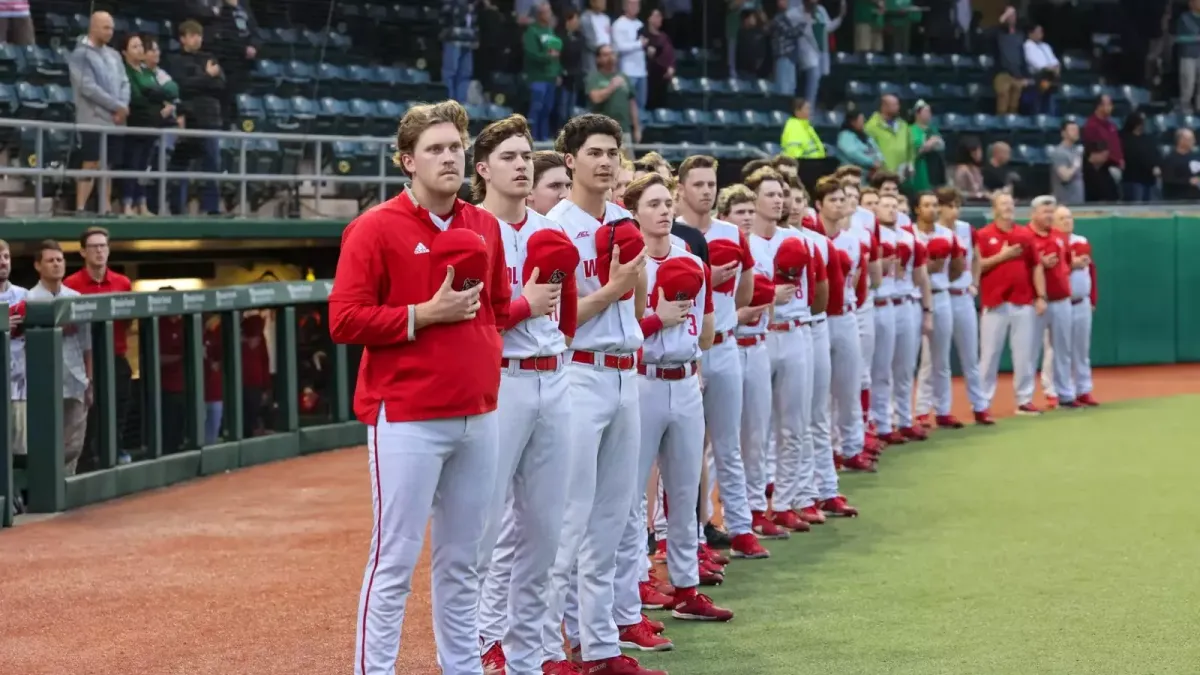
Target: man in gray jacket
x=101 y=99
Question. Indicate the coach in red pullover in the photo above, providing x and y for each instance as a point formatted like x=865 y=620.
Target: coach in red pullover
x=1054 y=254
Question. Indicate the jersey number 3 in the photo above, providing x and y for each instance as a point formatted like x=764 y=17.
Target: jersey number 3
x=691 y=325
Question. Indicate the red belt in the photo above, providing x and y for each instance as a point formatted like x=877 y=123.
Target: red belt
x=958 y=291
x=613 y=361
x=785 y=326
x=721 y=337
x=883 y=303
x=541 y=364
x=900 y=301
x=935 y=291
x=750 y=340
x=1078 y=301
x=667 y=372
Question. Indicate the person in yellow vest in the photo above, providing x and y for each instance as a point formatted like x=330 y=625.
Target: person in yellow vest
x=799 y=139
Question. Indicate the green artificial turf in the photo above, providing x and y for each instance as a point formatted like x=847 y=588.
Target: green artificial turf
x=1068 y=543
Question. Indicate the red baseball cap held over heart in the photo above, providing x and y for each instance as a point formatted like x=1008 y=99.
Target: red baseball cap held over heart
x=465 y=251
x=678 y=279
x=17 y=310
x=623 y=234
x=939 y=248
x=552 y=254
x=722 y=252
x=764 y=291
x=790 y=261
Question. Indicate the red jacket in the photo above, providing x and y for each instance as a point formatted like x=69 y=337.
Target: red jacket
x=1011 y=280
x=443 y=371
x=213 y=391
x=1058 y=278
x=170 y=344
x=111 y=283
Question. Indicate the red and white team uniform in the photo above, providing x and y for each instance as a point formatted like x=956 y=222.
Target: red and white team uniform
x=1006 y=294
x=756 y=406
x=888 y=299
x=819 y=478
x=846 y=360
x=933 y=378
x=1055 y=324
x=911 y=253
x=1083 y=303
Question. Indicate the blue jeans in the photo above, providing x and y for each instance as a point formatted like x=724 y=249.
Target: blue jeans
x=457 y=69
x=212 y=421
x=1137 y=192
x=541 y=107
x=210 y=194
x=812 y=85
x=137 y=151
x=785 y=77
x=565 y=100
x=640 y=91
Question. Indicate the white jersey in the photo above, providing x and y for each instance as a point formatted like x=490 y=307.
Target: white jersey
x=763 y=251
x=16 y=375
x=535 y=336
x=904 y=273
x=725 y=304
x=615 y=329
x=939 y=280
x=677 y=344
x=964 y=237
x=887 y=241
x=819 y=245
x=862 y=226
x=1081 y=279
x=853 y=245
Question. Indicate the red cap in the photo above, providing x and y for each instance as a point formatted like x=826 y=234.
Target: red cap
x=764 y=291
x=939 y=248
x=624 y=234
x=790 y=260
x=904 y=252
x=679 y=279
x=553 y=254
x=465 y=251
x=722 y=252
x=17 y=310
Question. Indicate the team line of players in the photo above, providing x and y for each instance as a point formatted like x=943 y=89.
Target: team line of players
x=786 y=352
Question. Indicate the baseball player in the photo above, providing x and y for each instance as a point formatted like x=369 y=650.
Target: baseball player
x=551 y=182
x=425 y=295
x=946 y=262
x=1083 y=303
x=1012 y=290
x=678 y=326
x=1054 y=254
x=732 y=287
x=601 y=481
x=865 y=224
x=534 y=405
x=784 y=255
x=912 y=306
x=886 y=303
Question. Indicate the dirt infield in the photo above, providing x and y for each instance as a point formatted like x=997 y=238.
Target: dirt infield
x=255 y=573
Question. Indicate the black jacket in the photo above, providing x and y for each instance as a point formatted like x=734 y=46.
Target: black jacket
x=228 y=35
x=200 y=95
x=571 y=58
x=1177 y=175
x=1141 y=156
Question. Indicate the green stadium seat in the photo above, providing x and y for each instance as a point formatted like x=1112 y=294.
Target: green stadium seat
x=892 y=88
x=359 y=78
x=43 y=65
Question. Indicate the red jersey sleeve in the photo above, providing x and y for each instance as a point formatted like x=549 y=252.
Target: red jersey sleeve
x=860 y=287
x=357 y=314
x=956 y=248
x=518 y=311
x=876 y=242
x=568 y=307
x=921 y=255
x=1095 y=288
x=747 y=257
x=708 y=304
x=820 y=271
x=499 y=291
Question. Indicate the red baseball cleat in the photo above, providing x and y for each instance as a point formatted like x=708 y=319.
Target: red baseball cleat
x=948 y=422
x=642 y=637
x=660 y=551
x=710 y=578
x=695 y=606
x=651 y=597
x=746 y=546
x=860 y=462
x=913 y=434
x=660 y=584
x=812 y=515
x=893 y=438
x=985 y=418
x=713 y=556
x=925 y=421
x=838 y=507
x=710 y=566
x=657 y=626
x=561 y=668
x=770 y=490
x=1051 y=402
x=1088 y=400
x=837 y=462
x=1028 y=409
x=873 y=445
x=765 y=528
x=618 y=665
x=493 y=660
x=871 y=429
x=790 y=520
x=1070 y=405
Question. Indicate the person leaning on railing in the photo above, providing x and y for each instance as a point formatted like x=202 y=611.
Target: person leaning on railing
x=101 y=99
x=15 y=297
x=149 y=105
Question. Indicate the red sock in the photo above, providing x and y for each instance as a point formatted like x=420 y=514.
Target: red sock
x=685 y=593
x=865 y=397
x=665 y=513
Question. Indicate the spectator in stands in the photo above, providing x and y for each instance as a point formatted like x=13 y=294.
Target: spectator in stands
x=76 y=351
x=460 y=38
x=14 y=296
x=172 y=399
x=630 y=42
x=497 y=52
x=1101 y=175
x=16 y=25
x=201 y=91
x=149 y=106
x=151 y=60
x=891 y=134
x=816 y=27
x=855 y=146
x=785 y=29
x=214 y=392
x=1187 y=37
x=1066 y=166
x=868 y=25
x=736 y=15
x=661 y=68
x=1039 y=56
x=95 y=278
x=610 y=94
x=233 y=41
x=753 y=48
x=799 y=139
x=1011 y=72
x=571 y=58
x=1142 y=161
x=968 y=174
x=1100 y=128
x=900 y=17
x=997 y=174
x=1181 y=169
x=101 y=99
x=929 y=166
x=543 y=70
x=597 y=32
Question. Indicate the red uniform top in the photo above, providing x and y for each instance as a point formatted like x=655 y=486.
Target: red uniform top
x=446 y=370
x=816 y=270
x=170 y=346
x=1058 y=277
x=1011 y=280
x=256 y=359
x=213 y=350
x=111 y=282
x=1081 y=247
x=862 y=285
x=839 y=267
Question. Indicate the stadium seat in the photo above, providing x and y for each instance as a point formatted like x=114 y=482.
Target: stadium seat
x=498 y=112
x=936 y=62
x=665 y=126
x=368 y=111
x=982 y=123
x=279 y=114
x=330 y=117
x=146 y=26
x=359 y=78
x=331 y=79
x=8 y=101
x=266 y=75
x=32 y=101
x=388 y=114
x=892 y=88
x=918 y=91
x=57 y=26
x=860 y=90
x=56 y=147
x=10 y=61
x=60 y=103
x=250 y=112
x=43 y=65
x=297 y=77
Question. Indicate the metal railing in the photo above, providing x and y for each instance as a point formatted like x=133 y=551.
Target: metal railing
x=39 y=172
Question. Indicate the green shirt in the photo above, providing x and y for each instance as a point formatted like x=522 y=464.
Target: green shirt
x=920 y=178
x=902 y=12
x=867 y=12
x=540 y=66
x=616 y=105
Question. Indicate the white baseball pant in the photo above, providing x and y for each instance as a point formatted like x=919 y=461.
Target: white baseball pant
x=966 y=343
x=791 y=396
x=756 y=420
x=845 y=359
x=418 y=469
x=1054 y=328
x=534 y=412
x=822 y=483
x=933 y=376
x=1081 y=346
x=904 y=361
x=673 y=434
x=493 y=600
x=1017 y=324
x=865 y=316
x=881 y=367
x=601 y=485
